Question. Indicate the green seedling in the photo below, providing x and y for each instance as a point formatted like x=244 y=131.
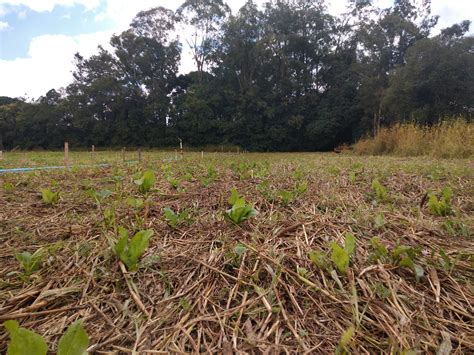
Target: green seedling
x=98 y=196
x=30 y=262
x=285 y=196
x=109 y=217
x=240 y=210
x=129 y=251
x=341 y=256
x=74 y=341
x=441 y=207
x=174 y=182
x=210 y=177
x=380 y=191
x=301 y=187
x=50 y=197
x=455 y=228
x=405 y=256
x=379 y=221
x=175 y=219
x=319 y=259
x=353 y=177
x=379 y=251
x=136 y=203
x=345 y=341
x=8 y=187
x=145 y=182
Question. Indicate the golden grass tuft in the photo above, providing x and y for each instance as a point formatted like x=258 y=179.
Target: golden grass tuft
x=447 y=139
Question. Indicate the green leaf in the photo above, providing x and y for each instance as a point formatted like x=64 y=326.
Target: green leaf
x=138 y=245
x=49 y=197
x=349 y=243
x=239 y=250
x=145 y=182
x=340 y=257
x=379 y=190
x=234 y=196
x=24 y=341
x=419 y=271
x=319 y=259
x=75 y=341
x=379 y=220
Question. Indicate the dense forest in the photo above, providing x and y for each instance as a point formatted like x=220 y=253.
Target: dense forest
x=287 y=76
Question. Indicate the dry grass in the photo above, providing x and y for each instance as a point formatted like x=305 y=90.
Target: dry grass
x=448 y=139
x=193 y=295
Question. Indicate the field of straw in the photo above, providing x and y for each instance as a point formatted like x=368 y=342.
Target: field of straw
x=270 y=284
x=447 y=139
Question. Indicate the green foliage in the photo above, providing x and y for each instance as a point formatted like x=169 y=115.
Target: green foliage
x=24 y=341
x=301 y=187
x=8 y=187
x=405 y=256
x=136 y=203
x=74 y=341
x=145 y=182
x=341 y=256
x=240 y=210
x=379 y=220
x=441 y=207
x=50 y=197
x=379 y=251
x=175 y=219
x=174 y=182
x=380 y=192
x=98 y=196
x=129 y=251
x=445 y=261
x=30 y=262
x=210 y=177
x=320 y=259
x=109 y=217
x=344 y=342
x=456 y=228
x=285 y=196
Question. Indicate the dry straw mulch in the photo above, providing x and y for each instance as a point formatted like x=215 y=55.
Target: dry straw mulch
x=195 y=293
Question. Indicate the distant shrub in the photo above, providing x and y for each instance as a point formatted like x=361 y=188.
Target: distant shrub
x=447 y=139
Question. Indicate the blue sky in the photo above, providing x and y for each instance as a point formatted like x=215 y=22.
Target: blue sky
x=38 y=38
x=24 y=24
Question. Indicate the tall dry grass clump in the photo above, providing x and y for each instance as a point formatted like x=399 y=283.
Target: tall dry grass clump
x=447 y=139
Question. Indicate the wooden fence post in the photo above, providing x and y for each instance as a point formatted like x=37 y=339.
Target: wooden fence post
x=93 y=152
x=123 y=154
x=181 y=147
x=66 y=154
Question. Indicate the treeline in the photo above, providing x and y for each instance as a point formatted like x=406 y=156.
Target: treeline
x=287 y=76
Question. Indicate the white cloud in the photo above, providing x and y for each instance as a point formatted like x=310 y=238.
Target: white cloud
x=48 y=5
x=4 y=26
x=49 y=65
x=451 y=12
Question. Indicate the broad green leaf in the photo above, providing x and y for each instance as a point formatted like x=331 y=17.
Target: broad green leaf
x=234 y=196
x=75 y=341
x=24 y=341
x=138 y=245
x=146 y=181
x=340 y=257
x=349 y=243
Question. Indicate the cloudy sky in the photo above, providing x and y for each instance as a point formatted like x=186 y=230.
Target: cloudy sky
x=38 y=38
